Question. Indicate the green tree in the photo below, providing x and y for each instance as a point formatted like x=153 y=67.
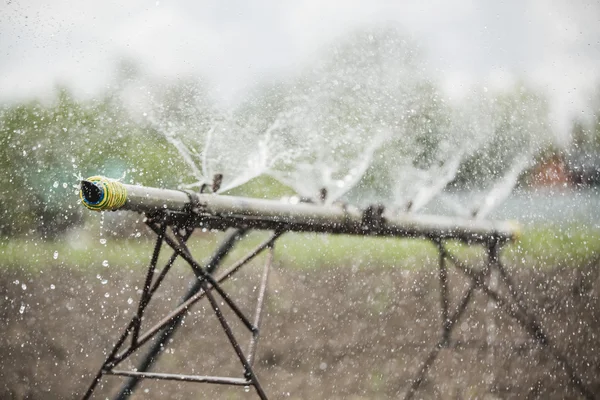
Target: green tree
x=45 y=147
x=516 y=125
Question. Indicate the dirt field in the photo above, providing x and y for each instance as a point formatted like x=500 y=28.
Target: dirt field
x=329 y=333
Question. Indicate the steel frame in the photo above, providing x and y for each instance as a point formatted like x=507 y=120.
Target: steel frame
x=206 y=284
x=513 y=305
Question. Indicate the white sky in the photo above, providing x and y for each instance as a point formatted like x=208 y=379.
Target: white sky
x=552 y=45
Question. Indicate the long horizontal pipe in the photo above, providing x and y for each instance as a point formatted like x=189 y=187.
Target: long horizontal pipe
x=221 y=212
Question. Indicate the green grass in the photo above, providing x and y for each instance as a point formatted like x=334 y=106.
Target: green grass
x=316 y=250
x=538 y=247
x=37 y=254
x=554 y=246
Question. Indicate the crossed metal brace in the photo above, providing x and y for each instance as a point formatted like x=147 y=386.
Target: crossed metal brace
x=205 y=284
x=513 y=305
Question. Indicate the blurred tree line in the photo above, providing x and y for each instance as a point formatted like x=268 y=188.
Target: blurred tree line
x=583 y=154
x=45 y=148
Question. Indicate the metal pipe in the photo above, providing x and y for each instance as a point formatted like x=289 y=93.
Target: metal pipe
x=221 y=380
x=221 y=212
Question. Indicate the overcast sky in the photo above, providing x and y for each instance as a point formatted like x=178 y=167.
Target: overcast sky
x=552 y=45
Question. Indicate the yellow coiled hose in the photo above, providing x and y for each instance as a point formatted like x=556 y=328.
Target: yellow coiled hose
x=114 y=194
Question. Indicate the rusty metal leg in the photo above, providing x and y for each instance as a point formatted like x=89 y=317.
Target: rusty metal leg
x=444 y=299
x=259 y=306
x=204 y=280
x=527 y=322
x=490 y=313
x=452 y=320
x=228 y=243
x=136 y=318
x=146 y=296
x=248 y=370
x=184 y=307
x=462 y=306
x=512 y=287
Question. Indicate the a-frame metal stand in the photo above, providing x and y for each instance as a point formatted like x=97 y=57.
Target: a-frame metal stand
x=205 y=285
x=512 y=304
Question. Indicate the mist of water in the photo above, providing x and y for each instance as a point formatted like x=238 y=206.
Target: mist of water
x=365 y=124
x=515 y=130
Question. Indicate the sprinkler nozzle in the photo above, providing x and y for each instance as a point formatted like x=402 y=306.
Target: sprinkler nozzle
x=92 y=193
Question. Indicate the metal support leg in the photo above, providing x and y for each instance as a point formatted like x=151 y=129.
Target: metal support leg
x=259 y=306
x=248 y=371
x=490 y=316
x=528 y=323
x=208 y=283
x=228 y=243
x=448 y=327
x=184 y=307
x=145 y=297
x=444 y=300
x=134 y=323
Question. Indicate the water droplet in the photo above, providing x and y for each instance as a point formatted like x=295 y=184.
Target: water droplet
x=106 y=295
x=24 y=286
x=246 y=389
x=104 y=282
x=105 y=263
x=64 y=185
x=22 y=309
x=102 y=241
x=130 y=301
x=55 y=184
x=52 y=286
x=55 y=255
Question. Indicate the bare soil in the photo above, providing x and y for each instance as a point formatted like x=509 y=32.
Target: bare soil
x=328 y=333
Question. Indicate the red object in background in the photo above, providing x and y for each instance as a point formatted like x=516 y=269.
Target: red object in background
x=552 y=172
